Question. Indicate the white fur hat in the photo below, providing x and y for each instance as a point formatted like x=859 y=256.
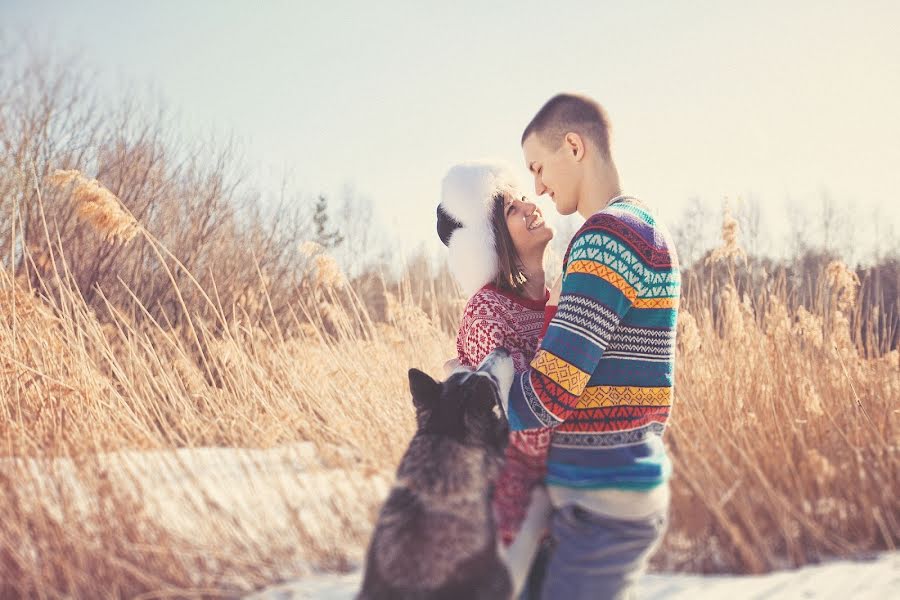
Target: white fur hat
x=464 y=220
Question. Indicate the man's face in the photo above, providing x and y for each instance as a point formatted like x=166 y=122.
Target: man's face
x=555 y=171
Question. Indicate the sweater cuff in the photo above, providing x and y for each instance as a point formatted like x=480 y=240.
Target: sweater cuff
x=549 y=313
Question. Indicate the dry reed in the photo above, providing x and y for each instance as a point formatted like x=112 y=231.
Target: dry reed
x=784 y=438
x=97 y=206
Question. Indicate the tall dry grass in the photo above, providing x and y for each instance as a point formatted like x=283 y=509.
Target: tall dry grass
x=784 y=440
x=194 y=404
x=114 y=478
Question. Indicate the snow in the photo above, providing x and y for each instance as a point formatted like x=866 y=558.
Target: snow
x=289 y=502
x=260 y=489
x=278 y=493
x=878 y=579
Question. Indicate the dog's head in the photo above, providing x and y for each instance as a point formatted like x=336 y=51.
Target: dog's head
x=468 y=406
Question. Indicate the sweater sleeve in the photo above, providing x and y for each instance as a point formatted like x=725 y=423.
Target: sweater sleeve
x=595 y=296
x=482 y=330
x=524 y=468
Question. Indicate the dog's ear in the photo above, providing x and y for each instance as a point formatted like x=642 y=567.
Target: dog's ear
x=483 y=389
x=425 y=390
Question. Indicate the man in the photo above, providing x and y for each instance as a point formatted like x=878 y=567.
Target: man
x=604 y=373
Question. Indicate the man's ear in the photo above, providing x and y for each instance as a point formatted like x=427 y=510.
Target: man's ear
x=574 y=145
x=425 y=390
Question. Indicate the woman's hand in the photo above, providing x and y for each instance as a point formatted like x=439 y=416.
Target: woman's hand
x=554 y=292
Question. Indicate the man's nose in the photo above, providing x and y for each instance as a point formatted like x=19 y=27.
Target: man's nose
x=539 y=188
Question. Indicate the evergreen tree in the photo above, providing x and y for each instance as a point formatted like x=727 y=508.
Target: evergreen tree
x=328 y=239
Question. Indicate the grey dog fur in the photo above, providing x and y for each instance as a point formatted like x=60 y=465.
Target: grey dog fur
x=435 y=537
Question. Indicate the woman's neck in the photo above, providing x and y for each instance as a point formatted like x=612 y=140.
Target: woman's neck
x=535 y=286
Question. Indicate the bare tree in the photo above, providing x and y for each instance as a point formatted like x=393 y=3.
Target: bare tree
x=191 y=196
x=694 y=231
x=364 y=239
x=748 y=213
x=798 y=240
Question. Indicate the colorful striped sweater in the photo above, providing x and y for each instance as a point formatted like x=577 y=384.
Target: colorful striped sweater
x=604 y=373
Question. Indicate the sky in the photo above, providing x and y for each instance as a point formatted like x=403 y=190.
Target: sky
x=778 y=101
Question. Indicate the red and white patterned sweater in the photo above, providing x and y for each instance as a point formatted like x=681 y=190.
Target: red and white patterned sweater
x=494 y=318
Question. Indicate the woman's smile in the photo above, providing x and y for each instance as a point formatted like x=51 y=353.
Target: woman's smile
x=537 y=221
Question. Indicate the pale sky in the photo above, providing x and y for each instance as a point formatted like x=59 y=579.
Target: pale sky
x=775 y=100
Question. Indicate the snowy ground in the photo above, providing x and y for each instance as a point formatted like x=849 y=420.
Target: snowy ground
x=281 y=493
x=845 y=580
x=259 y=489
x=288 y=503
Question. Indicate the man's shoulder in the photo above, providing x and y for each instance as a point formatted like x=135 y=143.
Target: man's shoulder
x=625 y=228
x=613 y=222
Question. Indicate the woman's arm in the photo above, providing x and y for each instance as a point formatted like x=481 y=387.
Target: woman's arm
x=483 y=329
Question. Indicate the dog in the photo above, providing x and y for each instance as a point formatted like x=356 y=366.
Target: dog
x=435 y=537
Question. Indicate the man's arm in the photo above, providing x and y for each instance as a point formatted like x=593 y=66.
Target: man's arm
x=595 y=296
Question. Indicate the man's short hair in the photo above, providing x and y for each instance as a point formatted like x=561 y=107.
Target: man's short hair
x=566 y=113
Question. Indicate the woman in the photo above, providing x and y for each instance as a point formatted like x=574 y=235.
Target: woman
x=496 y=241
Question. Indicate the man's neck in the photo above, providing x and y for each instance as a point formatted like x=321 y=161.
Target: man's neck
x=600 y=185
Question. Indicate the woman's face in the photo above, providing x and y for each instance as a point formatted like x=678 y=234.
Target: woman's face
x=529 y=233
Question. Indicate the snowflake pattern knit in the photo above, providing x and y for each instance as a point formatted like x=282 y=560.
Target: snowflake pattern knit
x=494 y=318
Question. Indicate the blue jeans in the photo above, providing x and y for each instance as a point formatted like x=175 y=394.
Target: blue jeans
x=595 y=557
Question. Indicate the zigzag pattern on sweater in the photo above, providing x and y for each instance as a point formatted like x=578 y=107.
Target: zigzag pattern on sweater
x=620 y=339
x=585 y=317
x=607 y=220
x=602 y=221
x=637 y=345
x=613 y=254
x=660 y=333
x=656 y=303
x=613 y=418
x=563 y=373
x=589 y=267
x=593 y=321
x=614 y=439
x=608 y=395
x=537 y=408
x=640 y=341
